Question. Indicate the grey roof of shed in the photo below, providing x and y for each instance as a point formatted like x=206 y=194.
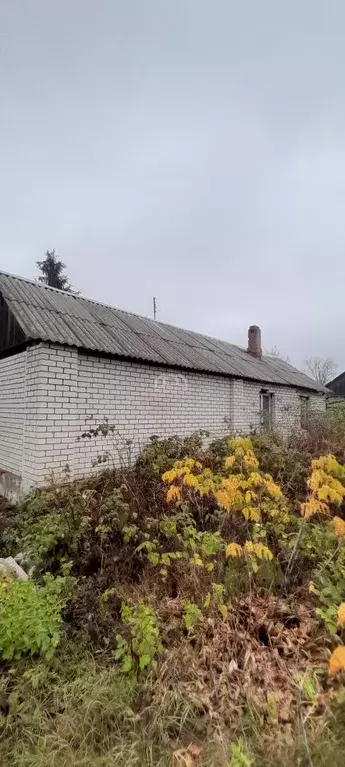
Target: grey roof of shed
x=48 y=314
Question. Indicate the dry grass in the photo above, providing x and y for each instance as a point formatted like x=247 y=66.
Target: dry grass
x=84 y=714
x=79 y=712
x=101 y=719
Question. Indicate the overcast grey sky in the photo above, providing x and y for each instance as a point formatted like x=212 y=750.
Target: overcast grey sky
x=188 y=149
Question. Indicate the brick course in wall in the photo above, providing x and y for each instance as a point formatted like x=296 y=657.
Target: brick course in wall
x=52 y=394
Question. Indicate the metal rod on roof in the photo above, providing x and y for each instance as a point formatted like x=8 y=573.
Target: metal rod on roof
x=154 y=308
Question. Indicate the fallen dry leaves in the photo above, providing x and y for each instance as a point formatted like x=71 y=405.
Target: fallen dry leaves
x=254 y=656
x=187 y=757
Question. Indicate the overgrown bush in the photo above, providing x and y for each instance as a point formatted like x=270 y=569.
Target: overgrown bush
x=209 y=583
x=160 y=454
x=67 y=523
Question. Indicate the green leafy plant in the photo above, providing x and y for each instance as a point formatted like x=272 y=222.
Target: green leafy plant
x=199 y=548
x=330 y=591
x=160 y=454
x=143 y=643
x=308 y=685
x=215 y=599
x=192 y=616
x=324 y=553
x=238 y=755
x=30 y=616
x=113 y=514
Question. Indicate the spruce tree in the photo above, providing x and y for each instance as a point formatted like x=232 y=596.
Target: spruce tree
x=53 y=272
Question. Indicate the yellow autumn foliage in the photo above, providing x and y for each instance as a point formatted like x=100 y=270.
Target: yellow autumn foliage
x=250 y=461
x=180 y=469
x=339 y=527
x=190 y=480
x=313 y=506
x=169 y=476
x=251 y=513
x=255 y=479
x=329 y=464
x=341 y=616
x=223 y=499
x=229 y=461
x=228 y=493
x=250 y=549
x=324 y=488
x=240 y=487
x=336 y=661
x=258 y=550
x=173 y=494
x=233 y=550
x=324 y=479
x=240 y=445
x=272 y=488
x=330 y=493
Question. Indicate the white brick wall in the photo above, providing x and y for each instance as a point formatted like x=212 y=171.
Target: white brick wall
x=286 y=406
x=141 y=400
x=12 y=412
x=52 y=394
x=52 y=420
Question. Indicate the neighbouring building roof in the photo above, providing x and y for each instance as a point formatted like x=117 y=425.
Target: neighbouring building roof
x=48 y=314
x=337 y=385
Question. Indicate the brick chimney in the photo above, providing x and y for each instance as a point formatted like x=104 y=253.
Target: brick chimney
x=254 y=342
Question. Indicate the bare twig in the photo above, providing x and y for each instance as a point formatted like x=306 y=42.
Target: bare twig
x=294 y=553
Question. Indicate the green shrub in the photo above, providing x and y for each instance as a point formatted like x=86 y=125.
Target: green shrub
x=113 y=513
x=48 y=527
x=30 y=617
x=67 y=523
x=160 y=454
x=287 y=463
x=327 y=578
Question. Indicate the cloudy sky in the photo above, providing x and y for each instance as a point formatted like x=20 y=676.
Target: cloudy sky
x=189 y=149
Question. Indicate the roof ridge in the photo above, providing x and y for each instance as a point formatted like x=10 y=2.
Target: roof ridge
x=37 y=283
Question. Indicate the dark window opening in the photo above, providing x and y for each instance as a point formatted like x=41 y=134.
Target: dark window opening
x=266 y=410
x=305 y=403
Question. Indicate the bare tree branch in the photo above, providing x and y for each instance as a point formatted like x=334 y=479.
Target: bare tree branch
x=322 y=370
x=274 y=351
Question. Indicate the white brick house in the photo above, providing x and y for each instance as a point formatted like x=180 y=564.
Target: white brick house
x=67 y=363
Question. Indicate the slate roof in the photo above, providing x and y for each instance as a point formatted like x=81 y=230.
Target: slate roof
x=48 y=314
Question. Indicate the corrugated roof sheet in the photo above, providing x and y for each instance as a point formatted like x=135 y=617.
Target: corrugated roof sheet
x=47 y=314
